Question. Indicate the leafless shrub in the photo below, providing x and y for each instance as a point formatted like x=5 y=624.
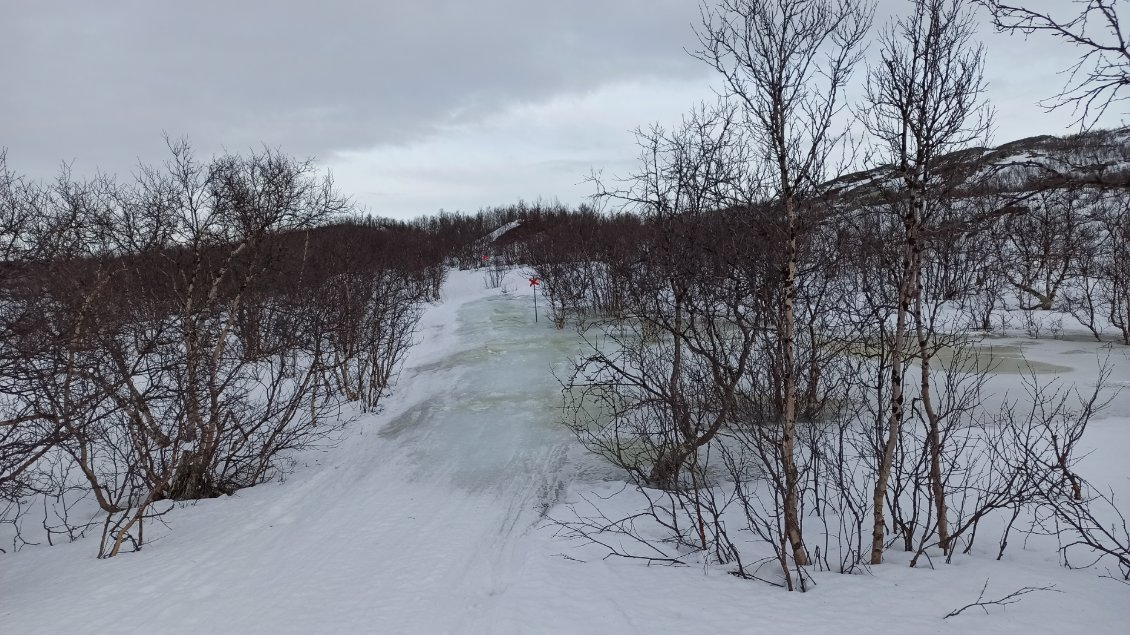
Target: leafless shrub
x=188 y=337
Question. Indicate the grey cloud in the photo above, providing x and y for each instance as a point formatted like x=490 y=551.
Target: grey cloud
x=98 y=82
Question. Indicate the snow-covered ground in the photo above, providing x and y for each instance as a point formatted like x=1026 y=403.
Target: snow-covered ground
x=431 y=518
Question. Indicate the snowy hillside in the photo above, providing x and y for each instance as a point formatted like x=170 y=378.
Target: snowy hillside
x=438 y=516
x=1092 y=157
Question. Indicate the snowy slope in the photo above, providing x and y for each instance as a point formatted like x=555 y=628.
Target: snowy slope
x=496 y=234
x=431 y=518
x=1019 y=165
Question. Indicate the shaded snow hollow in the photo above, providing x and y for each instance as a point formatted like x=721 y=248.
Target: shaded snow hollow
x=430 y=518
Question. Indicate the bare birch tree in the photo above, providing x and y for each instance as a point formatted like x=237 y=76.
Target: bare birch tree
x=787 y=62
x=924 y=100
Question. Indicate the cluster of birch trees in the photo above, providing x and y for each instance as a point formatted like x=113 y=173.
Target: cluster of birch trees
x=798 y=359
x=176 y=336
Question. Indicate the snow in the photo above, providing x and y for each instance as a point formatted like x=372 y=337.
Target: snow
x=496 y=234
x=433 y=517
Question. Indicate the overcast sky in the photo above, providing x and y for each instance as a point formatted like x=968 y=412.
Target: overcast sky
x=416 y=105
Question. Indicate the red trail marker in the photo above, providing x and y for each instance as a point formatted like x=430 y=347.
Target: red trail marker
x=534 y=282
